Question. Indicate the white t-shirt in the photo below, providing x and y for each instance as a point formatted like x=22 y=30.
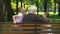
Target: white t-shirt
x=19 y=18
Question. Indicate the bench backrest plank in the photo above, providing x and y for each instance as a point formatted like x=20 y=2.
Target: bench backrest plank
x=30 y=28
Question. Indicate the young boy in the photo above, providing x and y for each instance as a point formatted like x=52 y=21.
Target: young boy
x=19 y=17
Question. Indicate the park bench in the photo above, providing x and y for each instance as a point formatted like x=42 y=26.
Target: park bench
x=45 y=28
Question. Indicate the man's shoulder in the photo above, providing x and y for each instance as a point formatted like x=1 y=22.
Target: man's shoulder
x=31 y=14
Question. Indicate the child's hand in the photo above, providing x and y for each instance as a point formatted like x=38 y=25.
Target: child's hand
x=16 y=16
x=14 y=22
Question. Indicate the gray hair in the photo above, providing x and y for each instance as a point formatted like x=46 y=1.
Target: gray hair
x=31 y=9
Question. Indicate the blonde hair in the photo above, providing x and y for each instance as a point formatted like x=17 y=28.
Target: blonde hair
x=21 y=10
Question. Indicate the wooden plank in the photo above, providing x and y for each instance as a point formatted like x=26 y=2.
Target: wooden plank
x=41 y=27
x=57 y=26
x=29 y=28
x=57 y=31
x=23 y=28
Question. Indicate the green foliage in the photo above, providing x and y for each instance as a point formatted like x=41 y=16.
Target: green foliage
x=28 y=3
x=14 y=1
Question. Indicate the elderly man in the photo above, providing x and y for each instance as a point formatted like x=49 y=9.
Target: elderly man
x=19 y=17
x=32 y=17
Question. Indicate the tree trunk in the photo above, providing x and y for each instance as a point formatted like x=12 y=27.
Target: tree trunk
x=45 y=5
x=1 y=15
x=37 y=7
x=9 y=10
x=59 y=9
x=21 y=3
x=24 y=5
x=54 y=6
x=1 y=11
x=16 y=6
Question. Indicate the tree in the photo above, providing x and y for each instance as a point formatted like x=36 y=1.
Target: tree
x=21 y=3
x=59 y=9
x=49 y=3
x=8 y=9
x=16 y=6
x=1 y=11
x=37 y=7
x=54 y=6
x=1 y=15
x=45 y=5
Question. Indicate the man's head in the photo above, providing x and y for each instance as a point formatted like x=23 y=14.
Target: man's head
x=32 y=9
x=23 y=10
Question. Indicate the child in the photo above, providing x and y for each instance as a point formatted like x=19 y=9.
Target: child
x=18 y=18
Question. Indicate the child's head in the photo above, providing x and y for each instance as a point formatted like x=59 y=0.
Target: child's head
x=23 y=10
x=47 y=14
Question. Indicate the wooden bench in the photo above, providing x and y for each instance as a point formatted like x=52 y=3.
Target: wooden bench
x=31 y=28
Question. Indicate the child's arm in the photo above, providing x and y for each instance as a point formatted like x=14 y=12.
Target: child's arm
x=14 y=18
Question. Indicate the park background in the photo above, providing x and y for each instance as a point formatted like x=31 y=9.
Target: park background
x=8 y=8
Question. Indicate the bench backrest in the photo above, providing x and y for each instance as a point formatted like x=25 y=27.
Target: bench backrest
x=30 y=28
